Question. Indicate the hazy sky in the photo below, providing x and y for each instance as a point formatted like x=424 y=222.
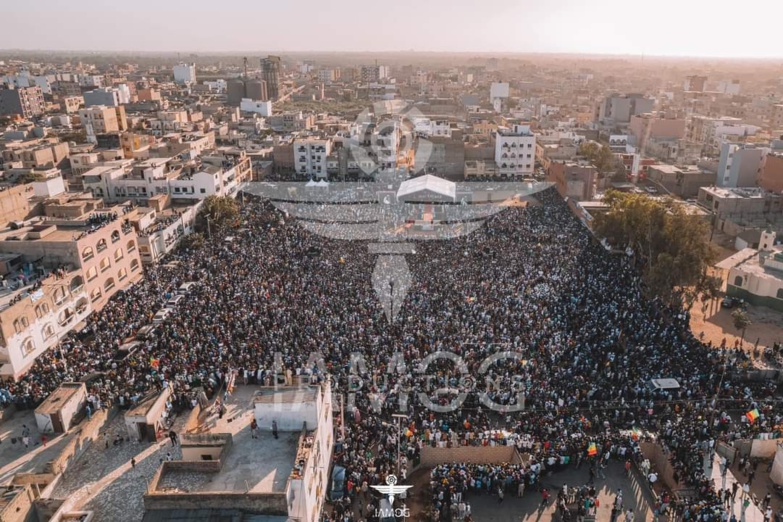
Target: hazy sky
x=716 y=28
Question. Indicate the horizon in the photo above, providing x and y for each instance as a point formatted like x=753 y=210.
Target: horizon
x=670 y=29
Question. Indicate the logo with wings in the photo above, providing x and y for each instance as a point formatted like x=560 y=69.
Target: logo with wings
x=392 y=213
x=391 y=489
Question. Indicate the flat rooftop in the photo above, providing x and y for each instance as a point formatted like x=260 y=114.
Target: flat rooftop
x=286 y=395
x=54 y=402
x=252 y=465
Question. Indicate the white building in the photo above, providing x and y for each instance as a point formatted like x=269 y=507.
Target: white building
x=515 y=151
x=100 y=118
x=498 y=93
x=326 y=75
x=25 y=79
x=185 y=73
x=56 y=414
x=91 y=80
x=160 y=232
x=757 y=275
x=428 y=128
x=730 y=87
x=264 y=108
x=310 y=156
x=739 y=164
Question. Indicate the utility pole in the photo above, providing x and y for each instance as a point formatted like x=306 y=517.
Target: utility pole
x=342 y=416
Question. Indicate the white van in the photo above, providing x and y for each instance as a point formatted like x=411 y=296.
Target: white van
x=161 y=316
x=185 y=288
x=171 y=303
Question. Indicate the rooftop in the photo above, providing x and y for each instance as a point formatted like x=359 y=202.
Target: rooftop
x=60 y=396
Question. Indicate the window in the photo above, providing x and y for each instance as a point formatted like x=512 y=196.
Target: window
x=59 y=296
x=134 y=265
x=65 y=317
x=780 y=293
x=96 y=294
x=41 y=310
x=105 y=264
x=203 y=191
x=28 y=346
x=109 y=284
x=115 y=236
x=118 y=254
x=92 y=273
x=18 y=326
x=77 y=283
x=48 y=331
x=101 y=246
x=131 y=246
x=87 y=254
x=123 y=274
x=24 y=321
x=738 y=281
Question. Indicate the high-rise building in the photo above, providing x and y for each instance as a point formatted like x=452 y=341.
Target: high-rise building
x=515 y=151
x=374 y=73
x=28 y=102
x=270 y=73
x=695 y=83
x=185 y=73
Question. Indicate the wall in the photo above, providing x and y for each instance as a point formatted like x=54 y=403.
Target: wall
x=14 y=205
x=289 y=416
x=771 y=176
x=764 y=449
x=261 y=503
x=776 y=475
x=431 y=457
x=19 y=508
x=85 y=435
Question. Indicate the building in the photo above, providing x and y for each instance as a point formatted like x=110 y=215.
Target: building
x=730 y=87
x=71 y=104
x=645 y=127
x=106 y=96
x=739 y=165
x=681 y=181
x=60 y=409
x=771 y=174
x=573 y=180
x=695 y=83
x=709 y=130
x=263 y=108
x=515 y=150
x=283 y=478
x=101 y=119
x=144 y=421
x=739 y=201
x=443 y=156
x=270 y=73
x=291 y=122
x=161 y=230
x=618 y=109
x=757 y=275
x=327 y=75
x=185 y=73
x=374 y=73
x=43 y=154
x=310 y=156
x=27 y=102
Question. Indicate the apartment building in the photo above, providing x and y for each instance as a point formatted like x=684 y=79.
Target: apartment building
x=310 y=156
x=27 y=102
x=374 y=73
x=36 y=154
x=291 y=122
x=71 y=104
x=108 y=96
x=101 y=119
x=160 y=230
x=185 y=73
x=619 y=109
x=574 y=180
x=270 y=73
x=515 y=150
x=740 y=164
x=89 y=252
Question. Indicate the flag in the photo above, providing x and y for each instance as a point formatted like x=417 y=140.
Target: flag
x=635 y=434
x=752 y=415
x=592 y=451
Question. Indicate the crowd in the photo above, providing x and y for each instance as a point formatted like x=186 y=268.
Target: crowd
x=532 y=282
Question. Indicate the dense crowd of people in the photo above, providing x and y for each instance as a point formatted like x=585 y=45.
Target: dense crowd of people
x=575 y=343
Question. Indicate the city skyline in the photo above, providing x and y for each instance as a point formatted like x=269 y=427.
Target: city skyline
x=669 y=29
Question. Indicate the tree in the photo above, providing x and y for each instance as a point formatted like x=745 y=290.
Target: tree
x=671 y=246
x=741 y=322
x=599 y=155
x=218 y=213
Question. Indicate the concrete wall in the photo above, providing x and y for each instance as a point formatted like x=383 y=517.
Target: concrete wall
x=19 y=508
x=86 y=434
x=261 y=503
x=776 y=475
x=289 y=416
x=764 y=448
x=431 y=457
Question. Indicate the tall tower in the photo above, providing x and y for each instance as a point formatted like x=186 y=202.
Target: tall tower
x=270 y=73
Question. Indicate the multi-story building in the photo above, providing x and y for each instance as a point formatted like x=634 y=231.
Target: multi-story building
x=573 y=180
x=28 y=102
x=651 y=126
x=771 y=173
x=37 y=155
x=327 y=75
x=89 y=253
x=374 y=73
x=708 y=129
x=695 y=83
x=71 y=104
x=107 y=96
x=100 y=118
x=291 y=122
x=310 y=156
x=219 y=173
x=185 y=73
x=740 y=165
x=515 y=151
x=618 y=109
x=270 y=72
x=160 y=231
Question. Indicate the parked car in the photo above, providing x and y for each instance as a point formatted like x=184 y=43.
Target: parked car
x=728 y=302
x=171 y=303
x=161 y=316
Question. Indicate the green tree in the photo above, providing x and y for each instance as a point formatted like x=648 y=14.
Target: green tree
x=671 y=245
x=218 y=213
x=741 y=322
x=599 y=155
